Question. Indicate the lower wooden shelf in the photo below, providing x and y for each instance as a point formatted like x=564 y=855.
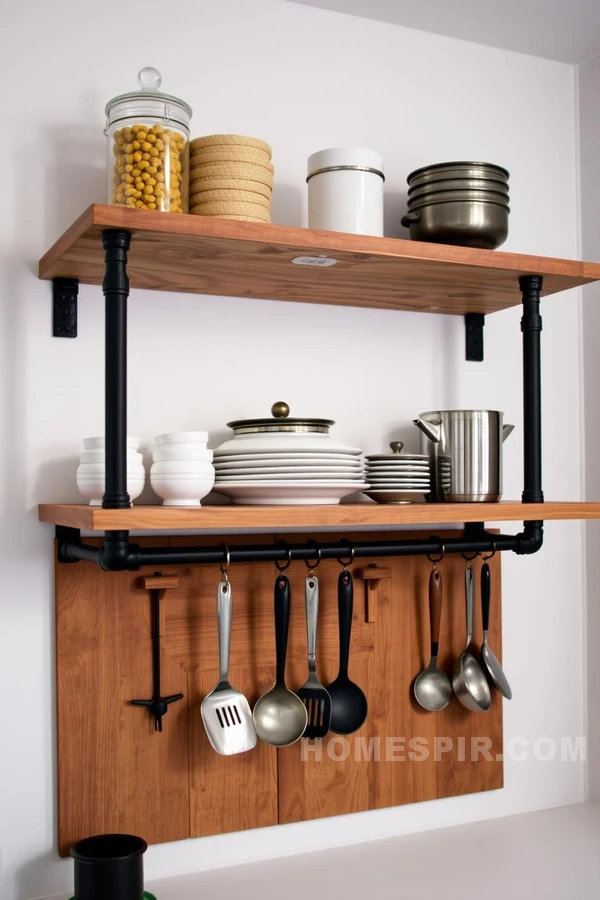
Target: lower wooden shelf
x=161 y=518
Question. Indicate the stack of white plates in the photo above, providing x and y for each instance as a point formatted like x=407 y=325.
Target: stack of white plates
x=398 y=477
x=275 y=462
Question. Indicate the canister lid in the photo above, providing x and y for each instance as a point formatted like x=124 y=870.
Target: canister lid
x=336 y=158
x=281 y=423
x=149 y=100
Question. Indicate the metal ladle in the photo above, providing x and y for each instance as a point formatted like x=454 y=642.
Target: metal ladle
x=280 y=715
x=489 y=662
x=469 y=681
x=432 y=688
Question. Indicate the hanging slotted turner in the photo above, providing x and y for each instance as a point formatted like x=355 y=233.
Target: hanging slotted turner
x=314 y=696
x=225 y=711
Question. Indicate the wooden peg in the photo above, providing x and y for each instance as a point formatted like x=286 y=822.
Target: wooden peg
x=372 y=575
x=162 y=583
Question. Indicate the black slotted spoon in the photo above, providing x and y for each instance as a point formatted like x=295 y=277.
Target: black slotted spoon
x=314 y=696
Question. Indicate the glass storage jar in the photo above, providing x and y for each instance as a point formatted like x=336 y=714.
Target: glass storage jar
x=148 y=147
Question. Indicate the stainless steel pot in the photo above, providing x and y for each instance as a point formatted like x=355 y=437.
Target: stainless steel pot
x=458 y=184
x=470 y=442
x=433 y=178
x=459 y=170
x=468 y=223
x=458 y=197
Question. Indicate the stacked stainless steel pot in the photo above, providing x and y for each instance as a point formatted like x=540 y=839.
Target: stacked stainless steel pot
x=465 y=453
x=464 y=203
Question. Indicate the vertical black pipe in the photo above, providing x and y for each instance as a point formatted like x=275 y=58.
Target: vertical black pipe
x=531 y=326
x=116 y=291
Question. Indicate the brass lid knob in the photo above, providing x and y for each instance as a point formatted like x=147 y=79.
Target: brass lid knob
x=280 y=410
x=396 y=446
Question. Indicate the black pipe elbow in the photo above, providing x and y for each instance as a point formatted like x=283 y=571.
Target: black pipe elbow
x=531 y=538
x=117 y=554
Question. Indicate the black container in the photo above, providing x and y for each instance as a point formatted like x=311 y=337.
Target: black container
x=109 y=867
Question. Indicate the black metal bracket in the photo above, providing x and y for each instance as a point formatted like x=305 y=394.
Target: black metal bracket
x=118 y=554
x=66 y=536
x=474 y=323
x=64 y=307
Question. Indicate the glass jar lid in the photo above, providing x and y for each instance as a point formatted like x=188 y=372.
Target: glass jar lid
x=148 y=101
x=280 y=422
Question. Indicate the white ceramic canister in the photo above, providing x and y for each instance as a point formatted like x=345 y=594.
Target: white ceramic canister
x=345 y=190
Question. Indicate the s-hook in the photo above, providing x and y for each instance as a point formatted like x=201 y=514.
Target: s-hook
x=157 y=704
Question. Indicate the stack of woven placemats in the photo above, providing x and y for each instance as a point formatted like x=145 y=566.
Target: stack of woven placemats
x=231 y=177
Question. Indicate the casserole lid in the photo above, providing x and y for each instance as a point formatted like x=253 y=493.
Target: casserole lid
x=281 y=423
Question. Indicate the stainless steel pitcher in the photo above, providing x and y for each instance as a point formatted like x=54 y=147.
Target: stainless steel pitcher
x=465 y=451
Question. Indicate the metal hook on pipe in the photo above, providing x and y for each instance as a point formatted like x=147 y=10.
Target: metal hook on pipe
x=346 y=563
x=311 y=566
x=288 y=561
x=225 y=565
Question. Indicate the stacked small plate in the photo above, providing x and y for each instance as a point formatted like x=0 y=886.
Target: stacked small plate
x=398 y=477
x=284 y=461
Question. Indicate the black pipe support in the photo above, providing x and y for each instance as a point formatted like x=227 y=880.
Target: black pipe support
x=116 y=291
x=121 y=555
x=117 y=554
x=531 y=327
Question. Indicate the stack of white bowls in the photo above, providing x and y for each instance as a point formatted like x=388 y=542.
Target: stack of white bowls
x=182 y=472
x=91 y=475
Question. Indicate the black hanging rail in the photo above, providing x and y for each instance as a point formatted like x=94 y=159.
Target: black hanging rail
x=118 y=554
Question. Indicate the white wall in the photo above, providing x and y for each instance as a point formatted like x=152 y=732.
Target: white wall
x=303 y=79
x=589 y=117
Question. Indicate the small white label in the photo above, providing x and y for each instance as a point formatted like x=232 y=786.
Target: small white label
x=321 y=261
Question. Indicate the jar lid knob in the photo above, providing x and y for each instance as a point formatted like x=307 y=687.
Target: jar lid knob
x=149 y=79
x=396 y=446
x=280 y=410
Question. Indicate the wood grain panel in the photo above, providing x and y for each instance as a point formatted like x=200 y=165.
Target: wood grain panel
x=163 y=518
x=317 y=785
x=116 y=773
x=199 y=254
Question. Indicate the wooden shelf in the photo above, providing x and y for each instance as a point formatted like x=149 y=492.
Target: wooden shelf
x=201 y=255
x=281 y=518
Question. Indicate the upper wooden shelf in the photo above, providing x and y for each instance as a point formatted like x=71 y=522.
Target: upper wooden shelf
x=202 y=255
x=281 y=518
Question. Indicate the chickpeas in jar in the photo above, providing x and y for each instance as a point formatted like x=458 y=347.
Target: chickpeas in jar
x=148 y=134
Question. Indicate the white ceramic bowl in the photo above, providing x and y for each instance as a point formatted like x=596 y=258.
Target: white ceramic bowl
x=181 y=451
x=92 y=487
x=92 y=456
x=182 y=490
x=97 y=443
x=98 y=468
x=182 y=437
x=182 y=467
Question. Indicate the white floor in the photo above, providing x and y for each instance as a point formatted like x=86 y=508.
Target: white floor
x=549 y=855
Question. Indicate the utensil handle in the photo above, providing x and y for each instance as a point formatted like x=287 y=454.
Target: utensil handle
x=435 y=609
x=311 y=595
x=486 y=585
x=224 y=615
x=282 y=623
x=345 y=608
x=470 y=598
